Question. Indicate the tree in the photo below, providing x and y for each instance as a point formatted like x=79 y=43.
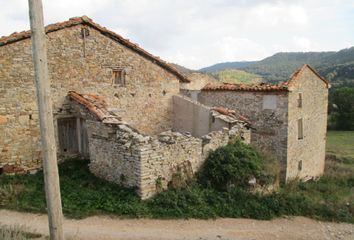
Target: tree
x=343 y=98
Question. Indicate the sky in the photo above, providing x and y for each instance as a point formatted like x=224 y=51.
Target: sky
x=199 y=33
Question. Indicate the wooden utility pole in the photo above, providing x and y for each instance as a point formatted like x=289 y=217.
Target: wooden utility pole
x=49 y=153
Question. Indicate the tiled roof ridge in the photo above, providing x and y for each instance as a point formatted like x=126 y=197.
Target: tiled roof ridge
x=14 y=37
x=245 y=87
x=95 y=104
x=298 y=73
x=264 y=87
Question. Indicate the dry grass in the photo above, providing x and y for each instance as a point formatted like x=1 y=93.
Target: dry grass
x=19 y=232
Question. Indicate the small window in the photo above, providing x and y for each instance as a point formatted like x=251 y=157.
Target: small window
x=299 y=100
x=300 y=129
x=269 y=102
x=119 y=77
x=299 y=165
x=85 y=32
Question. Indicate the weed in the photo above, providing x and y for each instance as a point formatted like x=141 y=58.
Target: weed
x=330 y=198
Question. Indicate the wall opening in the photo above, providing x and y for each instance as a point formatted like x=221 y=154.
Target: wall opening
x=300 y=129
x=72 y=134
x=119 y=77
x=85 y=32
x=269 y=102
x=299 y=165
x=67 y=135
x=299 y=100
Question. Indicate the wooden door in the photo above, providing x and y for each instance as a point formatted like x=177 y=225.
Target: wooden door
x=68 y=139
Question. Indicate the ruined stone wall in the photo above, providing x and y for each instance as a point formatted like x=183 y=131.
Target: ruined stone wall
x=115 y=153
x=122 y=155
x=191 y=116
x=267 y=113
x=86 y=67
x=306 y=157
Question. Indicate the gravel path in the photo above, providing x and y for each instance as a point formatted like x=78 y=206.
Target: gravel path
x=107 y=228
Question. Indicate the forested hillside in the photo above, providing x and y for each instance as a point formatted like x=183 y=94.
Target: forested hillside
x=337 y=67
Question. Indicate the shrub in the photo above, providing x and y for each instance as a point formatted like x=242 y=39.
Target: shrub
x=232 y=166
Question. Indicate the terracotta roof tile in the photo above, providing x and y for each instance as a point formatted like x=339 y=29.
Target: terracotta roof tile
x=84 y=20
x=95 y=104
x=243 y=87
x=263 y=87
x=232 y=114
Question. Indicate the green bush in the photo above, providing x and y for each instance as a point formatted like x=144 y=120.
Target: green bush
x=83 y=194
x=232 y=166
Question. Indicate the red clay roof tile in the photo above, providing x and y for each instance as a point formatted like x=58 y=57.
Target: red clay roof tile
x=95 y=104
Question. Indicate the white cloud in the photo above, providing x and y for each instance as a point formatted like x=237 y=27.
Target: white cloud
x=196 y=33
x=302 y=43
x=278 y=14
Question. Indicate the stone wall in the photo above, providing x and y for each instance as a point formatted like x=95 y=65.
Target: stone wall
x=306 y=157
x=86 y=67
x=267 y=113
x=150 y=163
x=191 y=116
x=198 y=119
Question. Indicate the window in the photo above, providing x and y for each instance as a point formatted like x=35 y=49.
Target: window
x=269 y=102
x=300 y=130
x=299 y=165
x=118 y=77
x=299 y=100
x=85 y=32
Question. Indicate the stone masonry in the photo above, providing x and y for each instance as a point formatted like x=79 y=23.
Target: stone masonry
x=83 y=63
x=124 y=156
x=289 y=119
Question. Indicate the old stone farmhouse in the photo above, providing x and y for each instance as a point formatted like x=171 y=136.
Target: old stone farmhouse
x=112 y=103
x=124 y=109
x=289 y=119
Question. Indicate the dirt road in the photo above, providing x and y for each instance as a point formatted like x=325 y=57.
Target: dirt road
x=107 y=228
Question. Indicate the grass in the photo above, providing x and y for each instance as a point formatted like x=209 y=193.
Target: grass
x=237 y=76
x=331 y=198
x=341 y=144
x=19 y=232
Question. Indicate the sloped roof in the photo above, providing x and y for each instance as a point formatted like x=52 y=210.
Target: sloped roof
x=84 y=20
x=296 y=75
x=264 y=87
x=96 y=105
x=228 y=115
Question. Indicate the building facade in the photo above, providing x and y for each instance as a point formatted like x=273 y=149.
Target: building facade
x=289 y=119
x=83 y=57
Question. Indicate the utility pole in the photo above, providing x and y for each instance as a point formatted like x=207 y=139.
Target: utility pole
x=44 y=101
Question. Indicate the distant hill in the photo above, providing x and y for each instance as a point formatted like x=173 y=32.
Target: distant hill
x=337 y=67
x=182 y=69
x=237 y=76
x=226 y=65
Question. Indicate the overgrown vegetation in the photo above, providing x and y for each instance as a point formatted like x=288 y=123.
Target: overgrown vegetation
x=233 y=165
x=18 y=232
x=330 y=198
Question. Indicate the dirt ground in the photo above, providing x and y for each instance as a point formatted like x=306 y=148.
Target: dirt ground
x=107 y=228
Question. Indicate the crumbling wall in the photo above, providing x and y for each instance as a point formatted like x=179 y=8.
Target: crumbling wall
x=190 y=116
x=198 y=119
x=86 y=66
x=122 y=155
x=268 y=113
